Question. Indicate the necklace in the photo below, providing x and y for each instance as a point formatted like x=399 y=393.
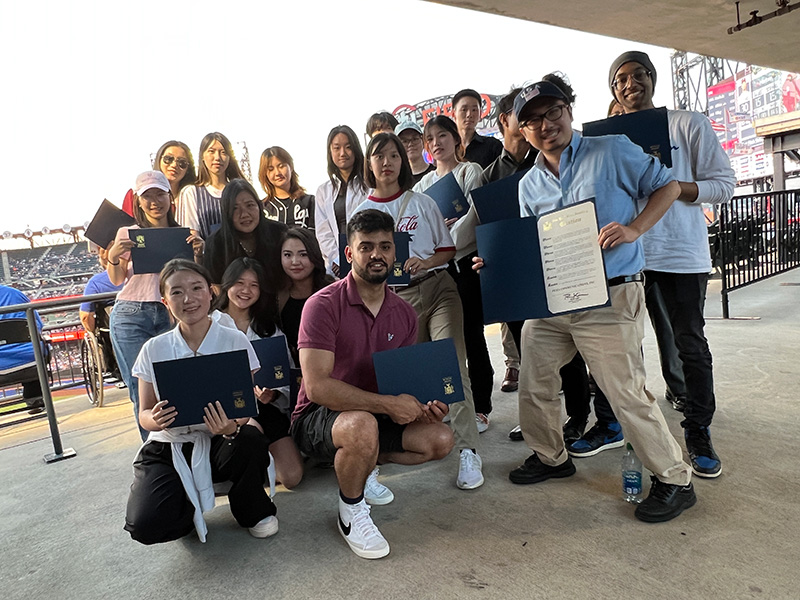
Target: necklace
x=247 y=250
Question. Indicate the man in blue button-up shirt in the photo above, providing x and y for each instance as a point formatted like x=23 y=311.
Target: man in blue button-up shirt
x=612 y=172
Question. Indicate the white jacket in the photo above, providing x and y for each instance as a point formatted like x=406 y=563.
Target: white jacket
x=327 y=229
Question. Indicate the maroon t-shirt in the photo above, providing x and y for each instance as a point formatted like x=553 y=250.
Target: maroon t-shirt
x=336 y=319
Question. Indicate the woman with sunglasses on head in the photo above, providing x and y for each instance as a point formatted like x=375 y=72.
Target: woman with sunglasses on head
x=443 y=142
x=245 y=231
x=303 y=275
x=286 y=199
x=198 y=205
x=432 y=292
x=174 y=160
x=337 y=197
x=175 y=469
x=138 y=313
x=244 y=304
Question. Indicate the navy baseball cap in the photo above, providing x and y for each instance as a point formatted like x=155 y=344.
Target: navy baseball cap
x=540 y=89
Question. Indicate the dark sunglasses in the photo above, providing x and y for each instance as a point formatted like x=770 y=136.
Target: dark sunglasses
x=181 y=162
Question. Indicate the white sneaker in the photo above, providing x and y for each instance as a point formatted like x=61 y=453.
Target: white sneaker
x=265 y=527
x=469 y=470
x=482 y=421
x=360 y=532
x=375 y=492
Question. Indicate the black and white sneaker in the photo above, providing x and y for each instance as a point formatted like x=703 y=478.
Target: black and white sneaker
x=360 y=532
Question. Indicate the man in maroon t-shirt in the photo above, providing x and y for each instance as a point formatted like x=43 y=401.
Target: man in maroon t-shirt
x=339 y=415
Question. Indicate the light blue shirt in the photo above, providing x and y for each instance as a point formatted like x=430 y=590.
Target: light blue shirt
x=610 y=170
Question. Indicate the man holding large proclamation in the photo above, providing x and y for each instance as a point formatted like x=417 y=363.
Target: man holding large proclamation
x=340 y=417
x=613 y=172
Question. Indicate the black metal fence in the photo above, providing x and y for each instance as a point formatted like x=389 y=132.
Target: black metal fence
x=64 y=361
x=757 y=236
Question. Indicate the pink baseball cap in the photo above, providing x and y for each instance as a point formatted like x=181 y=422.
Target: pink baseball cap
x=149 y=180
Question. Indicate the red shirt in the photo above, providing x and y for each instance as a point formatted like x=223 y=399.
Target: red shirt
x=336 y=319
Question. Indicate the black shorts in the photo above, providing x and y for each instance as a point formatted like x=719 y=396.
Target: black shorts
x=312 y=433
x=273 y=421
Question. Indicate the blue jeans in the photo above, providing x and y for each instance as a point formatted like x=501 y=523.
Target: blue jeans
x=132 y=324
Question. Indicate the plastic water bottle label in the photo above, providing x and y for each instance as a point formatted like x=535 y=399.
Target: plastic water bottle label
x=632 y=482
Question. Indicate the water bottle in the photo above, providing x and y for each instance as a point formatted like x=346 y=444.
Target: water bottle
x=631 y=477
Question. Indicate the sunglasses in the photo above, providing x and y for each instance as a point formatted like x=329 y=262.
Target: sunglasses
x=181 y=162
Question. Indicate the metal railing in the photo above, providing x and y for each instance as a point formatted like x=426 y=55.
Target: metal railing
x=758 y=236
x=29 y=308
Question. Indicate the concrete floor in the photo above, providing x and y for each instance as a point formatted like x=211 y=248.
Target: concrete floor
x=61 y=530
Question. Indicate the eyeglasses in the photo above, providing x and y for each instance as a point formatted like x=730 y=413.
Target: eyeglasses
x=181 y=162
x=411 y=141
x=553 y=114
x=639 y=76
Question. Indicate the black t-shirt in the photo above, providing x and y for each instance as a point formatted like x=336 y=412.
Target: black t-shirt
x=290 y=324
x=340 y=208
x=483 y=150
x=418 y=176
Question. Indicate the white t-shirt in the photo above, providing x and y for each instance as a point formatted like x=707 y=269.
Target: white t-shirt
x=678 y=242
x=468 y=176
x=421 y=218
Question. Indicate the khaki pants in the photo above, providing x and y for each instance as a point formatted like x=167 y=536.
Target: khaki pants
x=509 y=347
x=610 y=341
x=438 y=307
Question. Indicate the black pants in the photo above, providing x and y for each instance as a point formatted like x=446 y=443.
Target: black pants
x=479 y=365
x=574 y=379
x=684 y=298
x=159 y=509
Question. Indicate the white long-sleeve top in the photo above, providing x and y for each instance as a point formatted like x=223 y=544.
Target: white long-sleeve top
x=678 y=243
x=468 y=176
x=327 y=230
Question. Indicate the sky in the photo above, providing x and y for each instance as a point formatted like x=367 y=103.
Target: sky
x=93 y=88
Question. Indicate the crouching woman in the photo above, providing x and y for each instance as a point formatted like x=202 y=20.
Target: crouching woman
x=176 y=467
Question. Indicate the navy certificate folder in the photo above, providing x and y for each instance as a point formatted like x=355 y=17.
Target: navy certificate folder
x=401 y=254
x=154 y=247
x=189 y=384
x=105 y=223
x=498 y=200
x=273 y=354
x=448 y=197
x=648 y=129
x=427 y=371
x=513 y=279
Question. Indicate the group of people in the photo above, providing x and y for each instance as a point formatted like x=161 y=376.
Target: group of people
x=272 y=267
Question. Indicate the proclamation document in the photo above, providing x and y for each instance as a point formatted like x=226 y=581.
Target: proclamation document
x=572 y=260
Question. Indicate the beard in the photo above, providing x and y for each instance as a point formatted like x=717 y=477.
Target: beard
x=370 y=277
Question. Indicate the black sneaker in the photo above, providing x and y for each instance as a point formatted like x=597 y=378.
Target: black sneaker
x=534 y=471
x=665 y=501
x=705 y=462
x=515 y=435
x=573 y=430
x=603 y=436
x=678 y=401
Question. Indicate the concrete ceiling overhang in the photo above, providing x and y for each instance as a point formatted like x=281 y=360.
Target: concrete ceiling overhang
x=699 y=26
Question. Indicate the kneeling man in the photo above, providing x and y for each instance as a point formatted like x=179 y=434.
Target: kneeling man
x=339 y=415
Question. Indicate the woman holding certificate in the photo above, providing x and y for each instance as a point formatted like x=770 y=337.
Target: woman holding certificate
x=443 y=142
x=432 y=291
x=244 y=304
x=138 y=313
x=176 y=467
